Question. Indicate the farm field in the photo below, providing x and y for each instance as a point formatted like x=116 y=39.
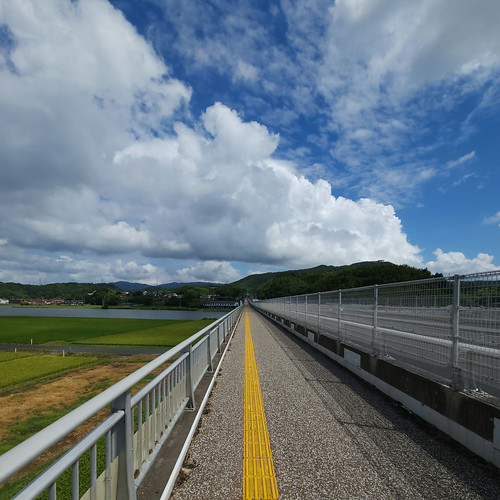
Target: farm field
x=29 y=368
x=30 y=405
x=97 y=331
x=37 y=389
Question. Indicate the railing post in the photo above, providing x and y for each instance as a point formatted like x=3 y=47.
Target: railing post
x=455 y=332
x=305 y=316
x=189 y=378
x=375 y=312
x=121 y=439
x=218 y=339
x=319 y=311
x=209 y=352
x=339 y=315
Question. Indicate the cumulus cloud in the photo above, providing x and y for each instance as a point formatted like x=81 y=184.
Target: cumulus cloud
x=81 y=83
x=457 y=263
x=101 y=158
x=209 y=271
x=25 y=266
x=373 y=76
x=232 y=200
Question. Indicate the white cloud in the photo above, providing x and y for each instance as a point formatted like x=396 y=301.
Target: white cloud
x=231 y=200
x=373 y=76
x=457 y=263
x=494 y=219
x=389 y=69
x=210 y=271
x=245 y=71
x=461 y=160
x=81 y=84
x=18 y=265
x=98 y=159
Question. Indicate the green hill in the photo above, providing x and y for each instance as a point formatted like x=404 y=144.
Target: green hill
x=69 y=291
x=325 y=278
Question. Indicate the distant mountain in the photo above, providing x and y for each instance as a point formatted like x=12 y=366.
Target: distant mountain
x=192 y=283
x=128 y=286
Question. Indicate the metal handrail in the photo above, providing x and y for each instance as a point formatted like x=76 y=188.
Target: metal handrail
x=122 y=407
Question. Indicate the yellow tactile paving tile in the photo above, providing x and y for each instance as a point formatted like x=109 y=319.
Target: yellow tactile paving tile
x=259 y=478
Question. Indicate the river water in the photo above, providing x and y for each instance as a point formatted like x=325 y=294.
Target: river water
x=74 y=312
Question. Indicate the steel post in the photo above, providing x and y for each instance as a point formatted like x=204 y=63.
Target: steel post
x=455 y=334
x=189 y=377
x=122 y=448
x=339 y=315
x=375 y=312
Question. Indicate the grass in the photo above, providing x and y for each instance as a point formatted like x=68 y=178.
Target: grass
x=21 y=329
x=7 y=356
x=16 y=371
x=39 y=419
x=31 y=426
x=157 y=336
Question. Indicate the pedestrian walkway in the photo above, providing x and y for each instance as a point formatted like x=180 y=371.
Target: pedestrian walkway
x=330 y=434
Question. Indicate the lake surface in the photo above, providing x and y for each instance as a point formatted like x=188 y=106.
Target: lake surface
x=74 y=312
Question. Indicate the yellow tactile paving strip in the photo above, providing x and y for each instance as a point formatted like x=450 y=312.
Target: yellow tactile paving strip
x=259 y=479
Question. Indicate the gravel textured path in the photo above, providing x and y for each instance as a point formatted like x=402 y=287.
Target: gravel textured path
x=332 y=435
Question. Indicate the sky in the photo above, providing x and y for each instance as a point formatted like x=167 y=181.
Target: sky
x=159 y=140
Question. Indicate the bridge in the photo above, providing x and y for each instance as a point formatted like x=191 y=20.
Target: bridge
x=389 y=391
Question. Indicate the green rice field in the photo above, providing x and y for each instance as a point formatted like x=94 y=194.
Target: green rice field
x=7 y=356
x=97 y=331
x=24 y=368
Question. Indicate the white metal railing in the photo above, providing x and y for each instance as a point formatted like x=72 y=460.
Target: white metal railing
x=119 y=450
x=447 y=329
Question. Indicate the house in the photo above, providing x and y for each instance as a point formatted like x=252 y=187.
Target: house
x=4 y=301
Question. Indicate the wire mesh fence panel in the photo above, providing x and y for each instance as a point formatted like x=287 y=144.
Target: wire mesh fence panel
x=329 y=313
x=447 y=329
x=479 y=333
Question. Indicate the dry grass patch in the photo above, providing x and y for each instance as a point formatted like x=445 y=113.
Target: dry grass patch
x=57 y=394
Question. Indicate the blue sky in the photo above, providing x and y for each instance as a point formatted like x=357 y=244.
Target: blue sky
x=161 y=141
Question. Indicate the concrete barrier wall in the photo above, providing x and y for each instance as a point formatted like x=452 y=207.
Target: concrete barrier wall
x=472 y=422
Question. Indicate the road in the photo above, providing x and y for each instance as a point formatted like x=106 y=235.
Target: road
x=119 y=351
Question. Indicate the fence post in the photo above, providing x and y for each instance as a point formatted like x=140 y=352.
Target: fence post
x=319 y=311
x=375 y=312
x=218 y=339
x=339 y=314
x=209 y=351
x=455 y=332
x=305 y=316
x=121 y=439
x=189 y=377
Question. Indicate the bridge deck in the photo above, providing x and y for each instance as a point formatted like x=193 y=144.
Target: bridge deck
x=331 y=435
